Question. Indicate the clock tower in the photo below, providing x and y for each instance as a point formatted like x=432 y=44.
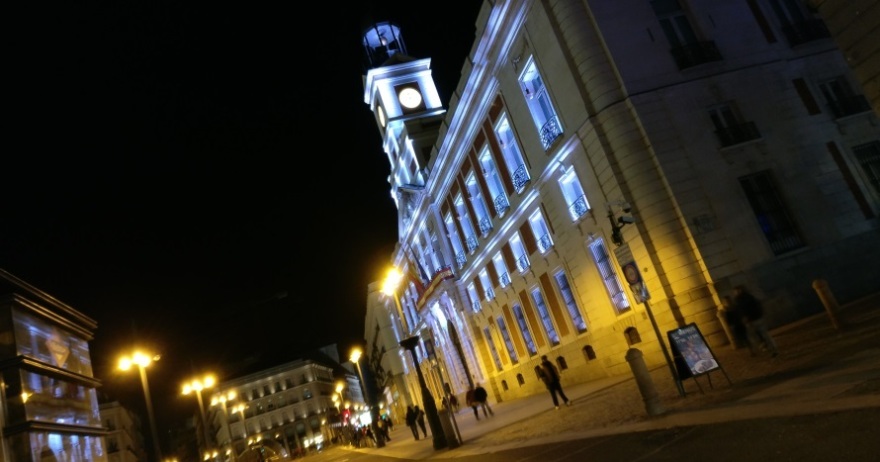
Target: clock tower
x=400 y=91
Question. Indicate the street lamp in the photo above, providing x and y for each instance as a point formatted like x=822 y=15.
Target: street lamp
x=389 y=287
x=240 y=408
x=370 y=398
x=221 y=400
x=142 y=361
x=427 y=400
x=197 y=385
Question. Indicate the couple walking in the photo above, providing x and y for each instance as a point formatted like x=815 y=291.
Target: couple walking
x=478 y=398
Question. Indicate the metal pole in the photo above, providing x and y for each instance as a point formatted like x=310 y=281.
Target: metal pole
x=666 y=354
x=427 y=400
x=204 y=421
x=146 y=387
x=374 y=408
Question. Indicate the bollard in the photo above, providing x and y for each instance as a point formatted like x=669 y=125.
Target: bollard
x=448 y=425
x=828 y=300
x=643 y=379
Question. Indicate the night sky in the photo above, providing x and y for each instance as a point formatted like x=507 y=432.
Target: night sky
x=203 y=178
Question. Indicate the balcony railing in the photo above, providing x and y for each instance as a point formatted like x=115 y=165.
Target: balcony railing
x=490 y=294
x=544 y=243
x=579 y=207
x=461 y=259
x=522 y=263
x=737 y=134
x=472 y=242
x=550 y=131
x=501 y=204
x=485 y=226
x=694 y=54
x=475 y=305
x=520 y=178
x=805 y=31
x=843 y=107
x=504 y=279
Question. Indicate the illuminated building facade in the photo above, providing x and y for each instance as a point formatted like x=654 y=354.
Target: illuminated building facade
x=50 y=404
x=605 y=163
x=125 y=441
x=281 y=411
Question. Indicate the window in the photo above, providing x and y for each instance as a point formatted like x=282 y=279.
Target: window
x=467 y=226
x=487 y=285
x=541 y=231
x=729 y=126
x=771 y=213
x=484 y=222
x=686 y=48
x=841 y=99
x=519 y=253
x=493 y=182
x=524 y=330
x=797 y=25
x=573 y=193
x=868 y=157
x=609 y=276
x=455 y=241
x=491 y=344
x=475 y=298
x=573 y=311
x=505 y=335
x=540 y=106
x=513 y=157
x=501 y=269
x=538 y=298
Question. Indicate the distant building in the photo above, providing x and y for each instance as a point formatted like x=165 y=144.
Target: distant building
x=608 y=170
x=50 y=407
x=283 y=410
x=125 y=440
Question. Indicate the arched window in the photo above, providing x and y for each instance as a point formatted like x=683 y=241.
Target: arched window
x=561 y=363
x=504 y=385
x=520 y=379
x=589 y=353
x=632 y=336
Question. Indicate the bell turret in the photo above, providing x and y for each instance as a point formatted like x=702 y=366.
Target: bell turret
x=382 y=43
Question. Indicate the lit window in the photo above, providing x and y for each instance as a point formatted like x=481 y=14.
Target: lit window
x=538 y=100
x=538 y=298
x=475 y=298
x=519 y=253
x=455 y=241
x=609 y=276
x=513 y=157
x=570 y=302
x=484 y=220
x=501 y=269
x=487 y=285
x=541 y=231
x=467 y=226
x=492 y=349
x=507 y=341
x=573 y=193
x=493 y=182
x=524 y=329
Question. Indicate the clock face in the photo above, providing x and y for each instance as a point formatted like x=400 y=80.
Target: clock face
x=410 y=98
x=381 y=113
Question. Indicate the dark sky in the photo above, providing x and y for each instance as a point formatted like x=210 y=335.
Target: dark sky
x=203 y=178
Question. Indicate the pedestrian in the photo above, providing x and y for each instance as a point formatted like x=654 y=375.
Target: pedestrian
x=734 y=319
x=411 y=421
x=753 y=314
x=469 y=400
x=420 y=418
x=453 y=401
x=482 y=399
x=382 y=426
x=550 y=376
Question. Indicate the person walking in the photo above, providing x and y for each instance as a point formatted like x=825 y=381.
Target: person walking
x=753 y=314
x=411 y=421
x=470 y=401
x=482 y=399
x=734 y=319
x=550 y=376
x=420 y=419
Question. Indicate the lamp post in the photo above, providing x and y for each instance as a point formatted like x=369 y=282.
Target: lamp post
x=427 y=400
x=240 y=408
x=221 y=400
x=142 y=361
x=197 y=385
x=369 y=389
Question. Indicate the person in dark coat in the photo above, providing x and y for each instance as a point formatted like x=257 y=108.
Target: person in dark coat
x=753 y=314
x=482 y=399
x=469 y=399
x=550 y=376
x=420 y=419
x=734 y=319
x=411 y=421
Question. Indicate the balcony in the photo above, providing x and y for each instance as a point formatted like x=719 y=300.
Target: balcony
x=520 y=178
x=579 y=207
x=805 y=31
x=522 y=263
x=694 y=54
x=544 y=243
x=504 y=279
x=848 y=106
x=471 y=242
x=460 y=259
x=485 y=226
x=501 y=204
x=737 y=134
x=550 y=131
